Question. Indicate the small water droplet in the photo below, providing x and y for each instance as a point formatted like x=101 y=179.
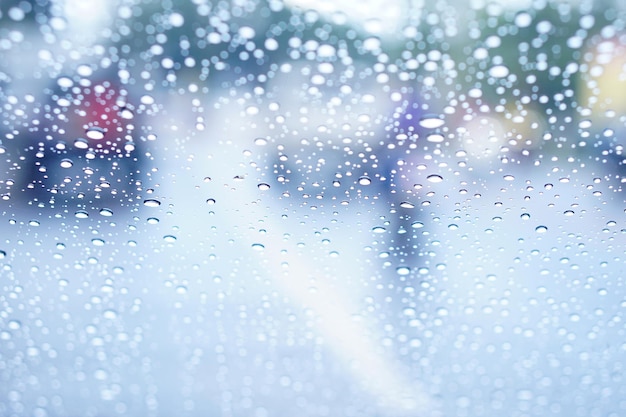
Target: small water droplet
x=379 y=229
x=81 y=214
x=407 y=205
x=95 y=133
x=210 y=201
x=66 y=163
x=169 y=238
x=3 y=254
x=152 y=220
x=260 y=141
x=365 y=180
x=258 y=246
x=541 y=229
x=525 y=216
x=151 y=203
x=417 y=225
x=453 y=226
x=97 y=242
x=81 y=143
x=509 y=178
x=263 y=186
x=434 y=178
x=34 y=223
x=568 y=213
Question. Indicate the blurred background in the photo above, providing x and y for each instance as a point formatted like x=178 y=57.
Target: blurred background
x=318 y=208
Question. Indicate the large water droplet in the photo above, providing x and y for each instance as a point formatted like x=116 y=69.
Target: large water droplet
x=434 y=178
x=403 y=270
x=151 y=203
x=95 y=133
x=431 y=122
x=365 y=180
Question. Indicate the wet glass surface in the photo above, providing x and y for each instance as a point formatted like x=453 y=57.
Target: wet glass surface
x=314 y=208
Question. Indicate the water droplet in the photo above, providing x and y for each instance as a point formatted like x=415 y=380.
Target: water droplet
x=210 y=201
x=152 y=220
x=568 y=212
x=434 y=178
x=106 y=212
x=260 y=141
x=66 y=163
x=509 y=178
x=417 y=225
x=431 y=122
x=169 y=238
x=407 y=205
x=379 y=229
x=541 y=229
x=365 y=180
x=263 y=186
x=151 y=203
x=34 y=223
x=525 y=216
x=109 y=314
x=3 y=254
x=258 y=246
x=181 y=290
x=127 y=113
x=403 y=270
x=499 y=71
x=81 y=214
x=453 y=226
x=97 y=242
x=435 y=138
x=95 y=133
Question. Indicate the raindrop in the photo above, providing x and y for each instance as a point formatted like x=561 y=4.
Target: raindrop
x=263 y=186
x=434 y=178
x=541 y=229
x=151 y=203
x=403 y=270
x=260 y=141
x=379 y=229
x=407 y=205
x=499 y=71
x=34 y=223
x=106 y=212
x=525 y=216
x=97 y=242
x=81 y=143
x=417 y=225
x=258 y=246
x=431 y=122
x=95 y=133
x=66 y=163
x=435 y=138
x=210 y=201
x=81 y=214
x=568 y=213
x=365 y=180
x=169 y=238
x=3 y=254
x=453 y=226
x=109 y=314
x=509 y=178
x=127 y=113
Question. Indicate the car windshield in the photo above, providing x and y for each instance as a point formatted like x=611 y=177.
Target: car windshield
x=312 y=208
